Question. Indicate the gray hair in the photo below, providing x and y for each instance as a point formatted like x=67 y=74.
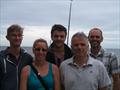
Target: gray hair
x=79 y=34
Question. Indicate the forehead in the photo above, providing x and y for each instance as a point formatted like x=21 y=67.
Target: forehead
x=76 y=40
x=15 y=32
x=40 y=44
x=95 y=32
x=58 y=33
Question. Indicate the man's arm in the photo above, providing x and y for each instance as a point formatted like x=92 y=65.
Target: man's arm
x=103 y=88
x=115 y=72
x=116 y=81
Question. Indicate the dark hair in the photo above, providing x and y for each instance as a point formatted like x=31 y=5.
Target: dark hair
x=40 y=40
x=14 y=27
x=58 y=27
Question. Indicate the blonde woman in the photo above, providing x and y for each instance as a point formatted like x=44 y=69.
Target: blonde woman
x=48 y=72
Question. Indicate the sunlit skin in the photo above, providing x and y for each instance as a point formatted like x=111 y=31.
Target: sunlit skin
x=40 y=55
x=95 y=38
x=15 y=38
x=58 y=38
x=42 y=66
x=80 y=49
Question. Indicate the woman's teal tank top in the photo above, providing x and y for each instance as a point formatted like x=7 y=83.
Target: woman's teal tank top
x=35 y=84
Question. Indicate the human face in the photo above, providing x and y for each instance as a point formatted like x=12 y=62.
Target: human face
x=95 y=38
x=58 y=38
x=40 y=50
x=80 y=46
x=15 y=38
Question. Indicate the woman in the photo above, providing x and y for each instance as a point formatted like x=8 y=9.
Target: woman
x=48 y=71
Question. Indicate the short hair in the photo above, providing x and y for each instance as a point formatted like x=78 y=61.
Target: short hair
x=97 y=29
x=40 y=40
x=14 y=27
x=80 y=34
x=58 y=27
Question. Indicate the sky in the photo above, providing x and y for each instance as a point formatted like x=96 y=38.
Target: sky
x=38 y=16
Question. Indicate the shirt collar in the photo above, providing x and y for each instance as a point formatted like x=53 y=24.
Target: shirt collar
x=21 y=51
x=73 y=64
x=100 y=53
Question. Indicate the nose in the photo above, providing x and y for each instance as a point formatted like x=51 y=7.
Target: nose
x=79 y=46
x=59 y=38
x=17 y=37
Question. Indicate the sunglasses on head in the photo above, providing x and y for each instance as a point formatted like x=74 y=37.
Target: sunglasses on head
x=40 y=49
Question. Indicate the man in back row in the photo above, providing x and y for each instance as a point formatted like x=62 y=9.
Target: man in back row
x=109 y=59
x=58 y=50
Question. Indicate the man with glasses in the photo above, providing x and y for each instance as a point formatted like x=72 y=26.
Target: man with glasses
x=13 y=59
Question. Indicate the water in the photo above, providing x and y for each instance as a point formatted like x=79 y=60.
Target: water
x=29 y=50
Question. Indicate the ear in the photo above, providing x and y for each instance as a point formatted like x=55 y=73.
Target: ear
x=33 y=50
x=101 y=39
x=7 y=37
x=52 y=37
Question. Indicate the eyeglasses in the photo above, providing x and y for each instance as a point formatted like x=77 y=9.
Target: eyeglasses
x=40 y=49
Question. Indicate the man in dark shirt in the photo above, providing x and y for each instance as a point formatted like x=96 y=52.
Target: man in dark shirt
x=58 y=50
x=13 y=59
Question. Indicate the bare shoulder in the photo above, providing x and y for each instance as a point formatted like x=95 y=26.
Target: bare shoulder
x=55 y=68
x=25 y=71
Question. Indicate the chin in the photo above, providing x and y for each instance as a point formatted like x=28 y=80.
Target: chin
x=59 y=45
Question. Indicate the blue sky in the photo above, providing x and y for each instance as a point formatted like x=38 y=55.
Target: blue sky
x=38 y=16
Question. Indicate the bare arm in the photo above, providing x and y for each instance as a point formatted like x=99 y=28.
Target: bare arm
x=56 y=75
x=23 y=78
x=103 y=88
x=116 y=81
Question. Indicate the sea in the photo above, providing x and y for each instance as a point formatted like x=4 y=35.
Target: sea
x=29 y=50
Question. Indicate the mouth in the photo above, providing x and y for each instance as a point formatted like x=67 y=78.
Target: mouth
x=94 y=43
x=39 y=55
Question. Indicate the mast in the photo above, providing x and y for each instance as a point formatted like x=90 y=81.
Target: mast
x=69 y=21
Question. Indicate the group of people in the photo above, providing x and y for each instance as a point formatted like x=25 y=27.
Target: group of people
x=58 y=67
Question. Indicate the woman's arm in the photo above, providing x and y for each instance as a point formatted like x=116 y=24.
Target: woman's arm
x=23 y=78
x=56 y=75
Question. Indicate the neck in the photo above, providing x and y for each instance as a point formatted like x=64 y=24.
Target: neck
x=95 y=51
x=80 y=60
x=61 y=49
x=39 y=62
x=14 y=50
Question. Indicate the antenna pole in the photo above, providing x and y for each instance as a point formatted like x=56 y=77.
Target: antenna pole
x=69 y=21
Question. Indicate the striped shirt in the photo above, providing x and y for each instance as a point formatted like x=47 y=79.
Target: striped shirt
x=109 y=60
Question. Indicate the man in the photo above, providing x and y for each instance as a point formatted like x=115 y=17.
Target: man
x=82 y=72
x=13 y=59
x=109 y=59
x=58 y=50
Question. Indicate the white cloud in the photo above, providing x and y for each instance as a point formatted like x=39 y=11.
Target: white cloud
x=38 y=16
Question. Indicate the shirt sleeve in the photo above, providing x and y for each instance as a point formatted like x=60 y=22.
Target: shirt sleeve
x=104 y=79
x=114 y=64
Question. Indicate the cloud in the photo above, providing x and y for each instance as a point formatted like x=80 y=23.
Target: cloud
x=38 y=16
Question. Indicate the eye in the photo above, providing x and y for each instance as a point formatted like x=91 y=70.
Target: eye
x=82 y=44
x=94 y=36
x=62 y=36
x=40 y=49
